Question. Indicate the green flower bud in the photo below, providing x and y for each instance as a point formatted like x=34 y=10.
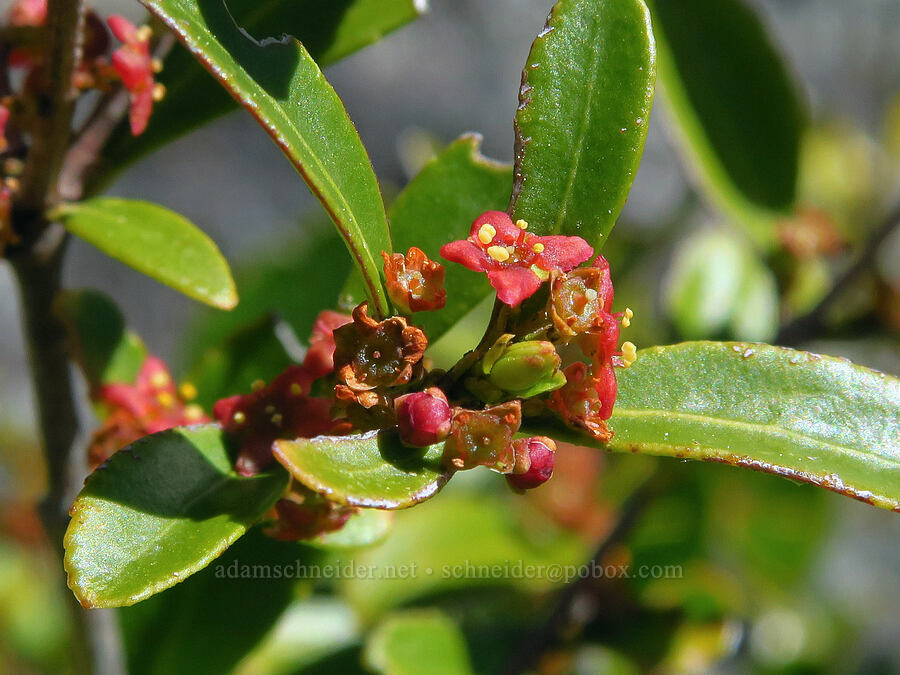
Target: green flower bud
x=526 y=369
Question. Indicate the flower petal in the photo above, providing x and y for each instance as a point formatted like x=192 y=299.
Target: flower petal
x=514 y=284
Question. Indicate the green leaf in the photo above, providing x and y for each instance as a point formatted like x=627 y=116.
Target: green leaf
x=106 y=351
x=156 y=241
x=330 y=30
x=585 y=102
x=810 y=418
x=403 y=643
x=281 y=85
x=158 y=511
x=251 y=353
x=366 y=528
x=372 y=469
x=437 y=207
x=734 y=105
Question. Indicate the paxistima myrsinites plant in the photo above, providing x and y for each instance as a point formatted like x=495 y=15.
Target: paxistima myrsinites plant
x=309 y=446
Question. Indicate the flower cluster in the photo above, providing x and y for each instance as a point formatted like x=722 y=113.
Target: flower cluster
x=153 y=403
x=135 y=66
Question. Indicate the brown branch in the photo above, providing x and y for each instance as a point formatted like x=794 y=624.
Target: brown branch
x=810 y=325
x=55 y=105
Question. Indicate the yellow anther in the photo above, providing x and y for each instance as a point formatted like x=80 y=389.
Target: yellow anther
x=159 y=380
x=296 y=389
x=522 y=224
x=188 y=391
x=156 y=65
x=193 y=412
x=627 y=317
x=159 y=91
x=165 y=399
x=239 y=417
x=629 y=353
x=143 y=33
x=486 y=233
x=538 y=248
x=276 y=419
x=498 y=253
x=12 y=183
x=257 y=385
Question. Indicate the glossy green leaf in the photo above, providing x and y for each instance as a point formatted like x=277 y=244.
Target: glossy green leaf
x=104 y=348
x=156 y=241
x=718 y=285
x=734 y=105
x=329 y=29
x=585 y=101
x=158 y=511
x=240 y=595
x=372 y=469
x=810 y=418
x=252 y=353
x=405 y=643
x=281 y=85
x=437 y=207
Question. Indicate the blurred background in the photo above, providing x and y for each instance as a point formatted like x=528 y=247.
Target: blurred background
x=778 y=577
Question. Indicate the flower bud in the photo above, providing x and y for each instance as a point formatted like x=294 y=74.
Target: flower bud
x=527 y=369
x=535 y=458
x=423 y=417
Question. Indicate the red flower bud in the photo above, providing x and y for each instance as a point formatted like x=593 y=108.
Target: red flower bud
x=423 y=417
x=414 y=283
x=535 y=458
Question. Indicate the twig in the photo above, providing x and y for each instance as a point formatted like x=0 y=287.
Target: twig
x=808 y=326
x=562 y=620
x=53 y=122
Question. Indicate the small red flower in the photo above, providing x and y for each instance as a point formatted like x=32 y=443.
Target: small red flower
x=414 y=282
x=423 y=417
x=150 y=405
x=516 y=262
x=283 y=409
x=535 y=458
x=27 y=13
x=134 y=64
x=484 y=437
x=319 y=359
x=586 y=401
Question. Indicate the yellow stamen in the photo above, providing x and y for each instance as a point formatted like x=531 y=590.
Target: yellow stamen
x=629 y=353
x=188 y=391
x=276 y=419
x=159 y=92
x=11 y=183
x=498 y=253
x=193 y=412
x=159 y=380
x=628 y=316
x=486 y=233
x=296 y=389
x=257 y=385
x=538 y=248
x=239 y=417
x=156 y=65
x=590 y=294
x=144 y=33
x=522 y=224
x=165 y=399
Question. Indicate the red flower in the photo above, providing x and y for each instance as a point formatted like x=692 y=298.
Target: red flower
x=134 y=64
x=483 y=437
x=535 y=458
x=283 y=409
x=319 y=359
x=586 y=401
x=516 y=262
x=27 y=13
x=151 y=404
